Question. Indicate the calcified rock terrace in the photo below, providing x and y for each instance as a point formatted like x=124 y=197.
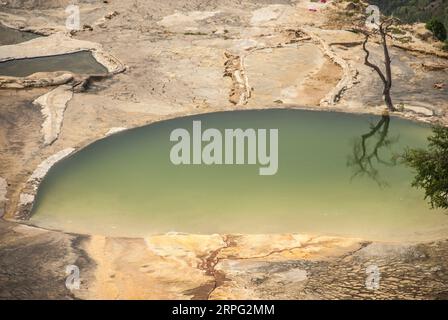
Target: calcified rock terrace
x=177 y=58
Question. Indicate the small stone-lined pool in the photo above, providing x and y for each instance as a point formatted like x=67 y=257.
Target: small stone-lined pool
x=126 y=184
x=81 y=62
x=10 y=36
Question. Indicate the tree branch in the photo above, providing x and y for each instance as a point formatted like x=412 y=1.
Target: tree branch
x=368 y=63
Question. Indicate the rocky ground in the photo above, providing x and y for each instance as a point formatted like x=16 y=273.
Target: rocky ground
x=174 y=58
x=33 y=262
x=288 y=266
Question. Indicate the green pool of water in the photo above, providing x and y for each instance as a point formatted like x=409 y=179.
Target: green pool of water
x=10 y=36
x=81 y=62
x=126 y=184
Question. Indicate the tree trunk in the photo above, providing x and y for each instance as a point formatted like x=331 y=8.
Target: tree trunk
x=385 y=78
x=387 y=64
x=388 y=99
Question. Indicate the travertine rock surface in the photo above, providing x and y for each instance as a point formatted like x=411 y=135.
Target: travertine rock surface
x=173 y=58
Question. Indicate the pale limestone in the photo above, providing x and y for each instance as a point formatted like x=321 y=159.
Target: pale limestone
x=267 y=14
x=187 y=19
x=46 y=165
x=419 y=110
x=52 y=106
x=349 y=74
x=25 y=199
x=114 y=130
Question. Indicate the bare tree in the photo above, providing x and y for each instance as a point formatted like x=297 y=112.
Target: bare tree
x=383 y=31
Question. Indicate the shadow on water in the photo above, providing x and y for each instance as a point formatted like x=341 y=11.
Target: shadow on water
x=373 y=150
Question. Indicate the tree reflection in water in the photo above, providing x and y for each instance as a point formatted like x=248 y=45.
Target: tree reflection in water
x=372 y=150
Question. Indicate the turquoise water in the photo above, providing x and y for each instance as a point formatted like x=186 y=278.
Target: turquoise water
x=126 y=184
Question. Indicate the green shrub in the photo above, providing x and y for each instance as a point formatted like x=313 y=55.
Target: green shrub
x=437 y=28
x=431 y=166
